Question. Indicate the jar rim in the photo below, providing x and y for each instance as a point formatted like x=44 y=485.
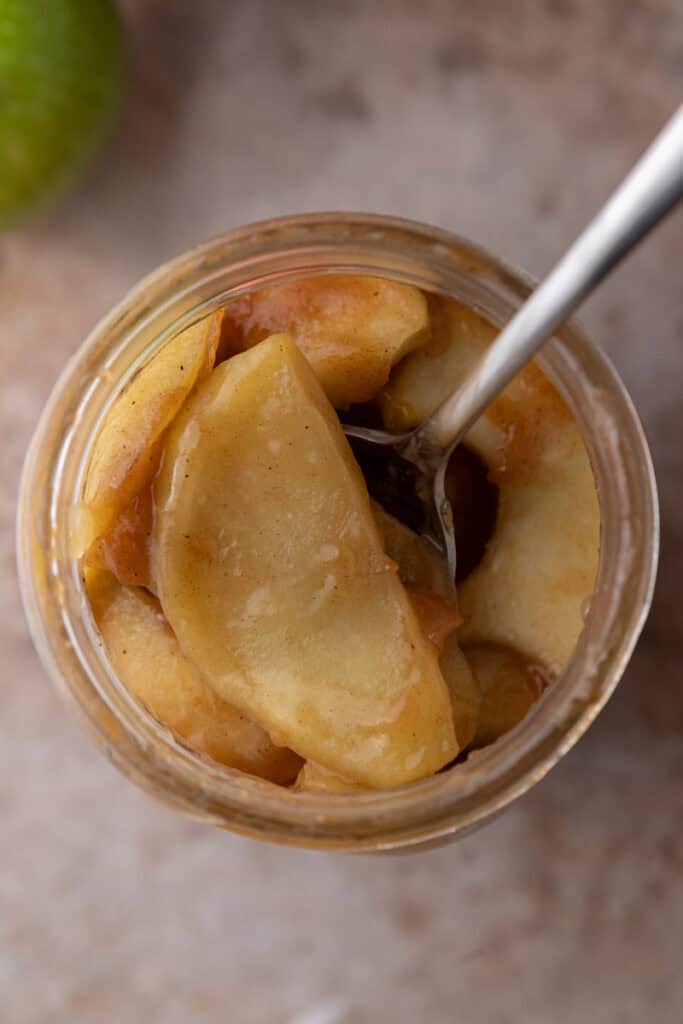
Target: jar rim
x=58 y=615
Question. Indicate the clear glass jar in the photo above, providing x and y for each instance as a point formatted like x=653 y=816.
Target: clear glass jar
x=451 y=803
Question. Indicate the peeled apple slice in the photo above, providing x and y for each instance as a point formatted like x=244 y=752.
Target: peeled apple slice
x=425 y=575
x=463 y=690
x=145 y=655
x=530 y=588
x=426 y=378
x=509 y=684
x=125 y=453
x=271 y=571
x=419 y=563
x=437 y=618
x=123 y=549
x=352 y=329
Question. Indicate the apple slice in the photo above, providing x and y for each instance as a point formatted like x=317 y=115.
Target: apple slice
x=463 y=690
x=466 y=702
x=123 y=548
x=145 y=655
x=427 y=377
x=530 y=588
x=419 y=562
x=270 y=569
x=425 y=575
x=509 y=685
x=125 y=453
x=352 y=329
x=540 y=564
x=437 y=618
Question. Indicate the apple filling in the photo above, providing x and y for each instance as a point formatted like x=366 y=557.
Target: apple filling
x=266 y=593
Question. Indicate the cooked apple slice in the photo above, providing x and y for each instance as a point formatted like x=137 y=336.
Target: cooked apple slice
x=437 y=618
x=509 y=685
x=529 y=590
x=419 y=562
x=313 y=778
x=123 y=548
x=270 y=569
x=463 y=690
x=540 y=564
x=145 y=655
x=426 y=377
x=425 y=575
x=125 y=453
x=352 y=329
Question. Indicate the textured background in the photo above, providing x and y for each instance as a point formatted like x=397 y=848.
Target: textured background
x=509 y=122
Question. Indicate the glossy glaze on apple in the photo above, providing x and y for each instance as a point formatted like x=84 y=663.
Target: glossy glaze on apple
x=274 y=614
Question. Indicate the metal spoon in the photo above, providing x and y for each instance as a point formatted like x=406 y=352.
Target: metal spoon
x=645 y=196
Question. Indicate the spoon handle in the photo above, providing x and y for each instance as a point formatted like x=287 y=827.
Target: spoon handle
x=651 y=189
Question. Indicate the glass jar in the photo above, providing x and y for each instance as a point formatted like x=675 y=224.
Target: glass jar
x=448 y=804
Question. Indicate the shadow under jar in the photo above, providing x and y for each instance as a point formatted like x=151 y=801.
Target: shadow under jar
x=454 y=801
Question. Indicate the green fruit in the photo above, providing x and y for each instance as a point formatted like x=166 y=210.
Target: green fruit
x=61 y=78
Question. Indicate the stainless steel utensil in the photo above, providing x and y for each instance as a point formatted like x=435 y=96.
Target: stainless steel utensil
x=645 y=196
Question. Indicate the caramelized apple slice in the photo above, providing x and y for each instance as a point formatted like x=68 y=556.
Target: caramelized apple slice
x=466 y=701
x=313 y=778
x=145 y=655
x=437 y=618
x=125 y=454
x=529 y=590
x=270 y=569
x=427 y=377
x=463 y=691
x=540 y=564
x=123 y=548
x=438 y=621
x=509 y=684
x=425 y=575
x=419 y=562
x=351 y=329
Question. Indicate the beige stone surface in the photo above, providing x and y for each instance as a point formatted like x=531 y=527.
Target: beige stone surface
x=509 y=122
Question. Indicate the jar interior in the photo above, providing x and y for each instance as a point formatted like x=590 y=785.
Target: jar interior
x=59 y=610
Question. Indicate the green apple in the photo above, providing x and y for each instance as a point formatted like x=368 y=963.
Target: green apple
x=61 y=82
